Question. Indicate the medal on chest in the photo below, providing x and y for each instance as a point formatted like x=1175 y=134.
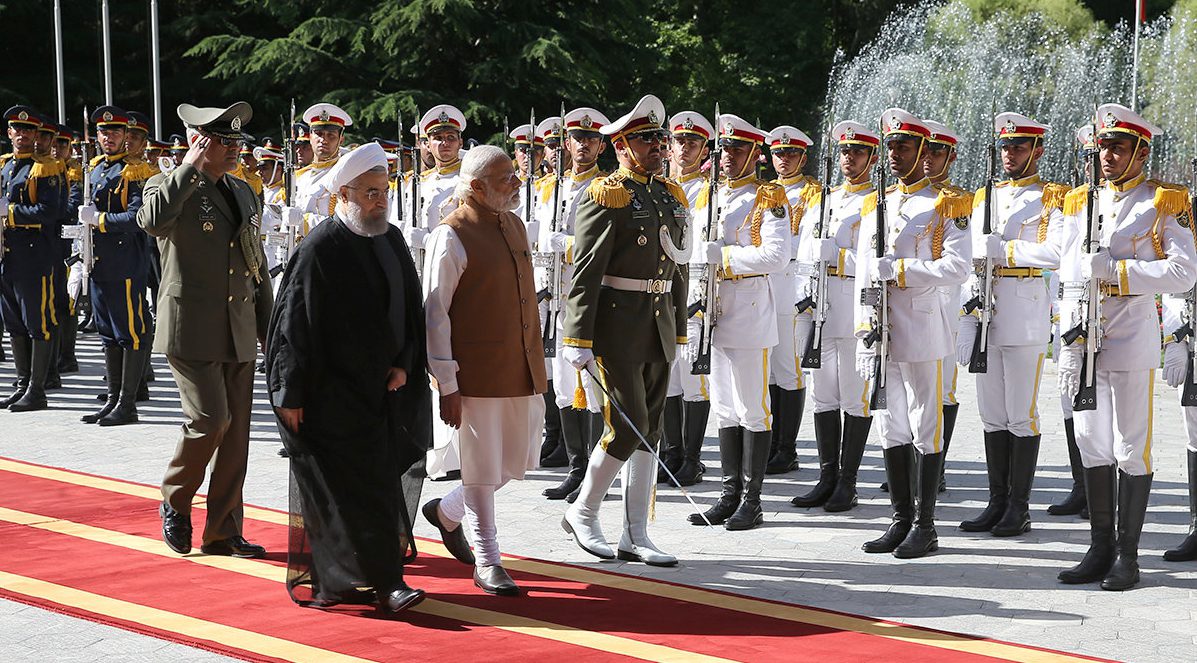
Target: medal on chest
x=207 y=214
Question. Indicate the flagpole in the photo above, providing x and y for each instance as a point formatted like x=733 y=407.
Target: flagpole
x=107 y=53
x=1135 y=57
x=58 y=61
x=154 y=59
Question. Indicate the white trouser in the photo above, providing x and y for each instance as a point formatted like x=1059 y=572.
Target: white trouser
x=837 y=385
x=692 y=388
x=475 y=506
x=785 y=362
x=740 y=388
x=567 y=379
x=445 y=454
x=1008 y=392
x=914 y=408
x=1065 y=401
x=950 y=372
x=1119 y=430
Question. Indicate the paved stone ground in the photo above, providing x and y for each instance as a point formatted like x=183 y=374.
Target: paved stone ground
x=1002 y=588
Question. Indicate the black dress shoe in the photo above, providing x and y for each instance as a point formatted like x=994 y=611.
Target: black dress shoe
x=494 y=580
x=234 y=546
x=176 y=529
x=564 y=489
x=282 y=452
x=451 y=475
x=401 y=598
x=454 y=540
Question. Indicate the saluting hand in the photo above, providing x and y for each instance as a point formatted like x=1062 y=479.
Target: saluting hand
x=199 y=154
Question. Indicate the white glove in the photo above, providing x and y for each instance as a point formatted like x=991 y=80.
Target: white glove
x=713 y=252
x=1069 y=368
x=828 y=250
x=579 y=358
x=966 y=338
x=885 y=268
x=686 y=354
x=557 y=242
x=864 y=363
x=416 y=237
x=995 y=247
x=1098 y=265
x=88 y=215
x=292 y=217
x=1176 y=360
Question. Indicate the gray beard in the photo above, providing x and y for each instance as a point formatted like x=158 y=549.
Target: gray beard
x=351 y=216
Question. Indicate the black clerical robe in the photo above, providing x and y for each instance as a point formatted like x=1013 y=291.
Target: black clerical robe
x=357 y=458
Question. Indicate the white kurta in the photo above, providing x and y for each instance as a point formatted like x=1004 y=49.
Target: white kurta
x=499 y=437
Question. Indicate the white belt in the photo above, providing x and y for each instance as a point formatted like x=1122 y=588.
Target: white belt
x=651 y=286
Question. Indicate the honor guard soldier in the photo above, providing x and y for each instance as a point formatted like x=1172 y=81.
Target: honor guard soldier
x=1146 y=248
x=1027 y=229
x=137 y=136
x=623 y=321
x=1178 y=321
x=548 y=135
x=688 y=403
x=178 y=148
x=247 y=168
x=137 y=141
x=441 y=129
x=752 y=244
x=304 y=154
x=577 y=396
x=529 y=153
x=937 y=164
x=313 y=202
x=787 y=385
x=122 y=264
x=270 y=168
x=43 y=150
x=155 y=151
x=67 y=321
x=1073 y=503
x=926 y=248
x=32 y=200
x=842 y=417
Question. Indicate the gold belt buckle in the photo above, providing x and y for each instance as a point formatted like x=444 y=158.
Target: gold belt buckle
x=656 y=286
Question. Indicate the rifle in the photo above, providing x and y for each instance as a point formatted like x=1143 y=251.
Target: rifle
x=285 y=239
x=979 y=362
x=558 y=264
x=709 y=281
x=86 y=257
x=399 y=172
x=812 y=356
x=1090 y=327
x=1188 y=395
x=531 y=174
x=877 y=296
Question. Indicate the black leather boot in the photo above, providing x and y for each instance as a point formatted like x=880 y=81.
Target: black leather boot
x=856 y=436
x=1024 y=459
x=784 y=457
x=1099 y=494
x=113 y=361
x=68 y=332
x=694 y=415
x=1187 y=550
x=146 y=374
x=775 y=407
x=731 y=458
x=125 y=412
x=1133 y=492
x=756 y=457
x=22 y=359
x=575 y=435
x=949 y=425
x=552 y=429
x=899 y=470
x=997 y=465
x=671 y=439
x=1074 y=502
x=828 y=432
x=922 y=538
x=34 y=397
x=53 y=379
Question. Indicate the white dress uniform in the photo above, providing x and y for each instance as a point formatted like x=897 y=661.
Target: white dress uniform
x=692 y=388
x=941 y=134
x=1173 y=318
x=928 y=238
x=1027 y=216
x=312 y=195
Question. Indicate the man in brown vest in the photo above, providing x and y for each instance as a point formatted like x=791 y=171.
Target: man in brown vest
x=485 y=351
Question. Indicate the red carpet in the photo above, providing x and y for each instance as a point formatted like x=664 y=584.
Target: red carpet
x=89 y=547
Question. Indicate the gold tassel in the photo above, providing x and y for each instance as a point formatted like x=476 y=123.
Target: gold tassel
x=1054 y=195
x=1170 y=199
x=937 y=240
x=953 y=204
x=869 y=205
x=136 y=171
x=770 y=195
x=46 y=167
x=610 y=192
x=1074 y=201
x=579 y=394
x=678 y=192
x=546 y=185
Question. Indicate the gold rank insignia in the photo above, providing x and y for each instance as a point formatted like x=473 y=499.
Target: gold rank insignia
x=208 y=227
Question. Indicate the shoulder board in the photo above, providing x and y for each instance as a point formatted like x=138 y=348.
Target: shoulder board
x=1170 y=199
x=869 y=205
x=96 y=160
x=1074 y=201
x=609 y=191
x=46 y=167
x=1054 y=195
x=770 y=195
x=676 y=191
x=136 y=171
x=979 y=197
x=953 y=203
x=5 y=158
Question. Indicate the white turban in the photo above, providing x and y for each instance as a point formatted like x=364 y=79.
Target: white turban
x=354 y=163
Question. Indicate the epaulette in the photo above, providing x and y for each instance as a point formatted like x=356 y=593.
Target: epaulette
x=811 y=194
x=704 y=196
x=610 y=191
x=869 y=205
x=1054 y=195
x=96 y=160
x=46 y=167
x=675 y=189
x=770 y=195
x=1074 y=201
x=5 y=158
x=979 y=197
x=136 y=171
x=953 y=203
x=1170 y=199
x=545 y=185
x=74 y=171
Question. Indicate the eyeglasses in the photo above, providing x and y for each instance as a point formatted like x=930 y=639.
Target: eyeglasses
x=372 y=194
x=227 y=142
x=651 y=137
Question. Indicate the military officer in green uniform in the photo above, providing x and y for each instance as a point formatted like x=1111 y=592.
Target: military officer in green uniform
x=625 y=319
x=213 y=311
